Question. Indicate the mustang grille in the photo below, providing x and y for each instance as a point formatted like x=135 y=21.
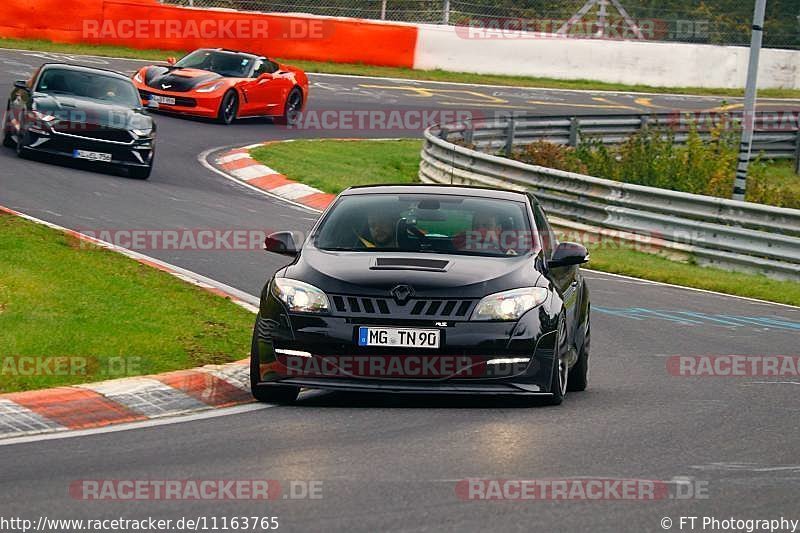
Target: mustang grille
x=97 y=133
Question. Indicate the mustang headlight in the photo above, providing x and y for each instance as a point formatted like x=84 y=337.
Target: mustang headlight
x=142 y=133
x=509 y=305
x=210 y=88
x=300 y=297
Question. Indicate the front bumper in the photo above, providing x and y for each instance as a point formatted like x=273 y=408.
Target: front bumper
x=189 y=103
x=473 y=358
x=138 y=153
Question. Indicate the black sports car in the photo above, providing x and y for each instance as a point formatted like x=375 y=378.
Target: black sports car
x=424 y=289
x=81 y=113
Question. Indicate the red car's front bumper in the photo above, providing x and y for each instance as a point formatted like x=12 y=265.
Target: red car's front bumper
x=186 y=103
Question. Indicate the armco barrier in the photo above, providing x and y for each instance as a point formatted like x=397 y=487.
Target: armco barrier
x=730 y=234
x=147 y=24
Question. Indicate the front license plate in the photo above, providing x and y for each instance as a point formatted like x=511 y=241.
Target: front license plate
x=163 y=99
x=91 y=156
x=398 y=337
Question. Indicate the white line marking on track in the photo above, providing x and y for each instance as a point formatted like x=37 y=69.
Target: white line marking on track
x=631 y=279
x=204 y=415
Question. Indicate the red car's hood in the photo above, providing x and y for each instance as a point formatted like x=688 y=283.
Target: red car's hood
x=178 y=80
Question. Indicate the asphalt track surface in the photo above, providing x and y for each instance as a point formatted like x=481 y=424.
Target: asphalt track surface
x=392 y=462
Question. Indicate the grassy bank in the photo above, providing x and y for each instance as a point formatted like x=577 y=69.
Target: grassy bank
x=111 y=316
x=333 y=165
x=394 y=72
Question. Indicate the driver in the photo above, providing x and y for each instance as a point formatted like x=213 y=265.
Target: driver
x=381 y=233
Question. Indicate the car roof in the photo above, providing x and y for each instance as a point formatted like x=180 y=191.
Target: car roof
x=82 y=68
x=454 y=190
x=229 y=51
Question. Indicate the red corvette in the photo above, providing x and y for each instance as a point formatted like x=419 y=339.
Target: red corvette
x=224 y=85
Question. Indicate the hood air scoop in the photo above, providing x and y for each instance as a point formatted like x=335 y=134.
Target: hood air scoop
x=410 y=263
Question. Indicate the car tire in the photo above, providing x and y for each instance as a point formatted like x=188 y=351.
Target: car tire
x=228 y=108
x=280 y=394
x=579 y=374
x=560 y=374
x=292 y=107
x=20 y=146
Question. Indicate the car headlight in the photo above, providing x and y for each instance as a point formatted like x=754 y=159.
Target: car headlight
x=509 y=305
x=138 y=77
x=210 y=88
x=299 y=296
x=142 y=133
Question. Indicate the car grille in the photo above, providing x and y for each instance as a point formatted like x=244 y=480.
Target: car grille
x=179 y=100
x=452 y=308
x=94 y=133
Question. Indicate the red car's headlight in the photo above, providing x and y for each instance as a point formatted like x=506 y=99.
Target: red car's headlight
x=210 y=88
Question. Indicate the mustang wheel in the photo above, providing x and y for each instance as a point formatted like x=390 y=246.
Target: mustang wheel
x=20 y=145
x=228 y=108
x=8 y=142
x=269 y=394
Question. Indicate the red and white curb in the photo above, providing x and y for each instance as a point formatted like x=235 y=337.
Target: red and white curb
x=238 y=164
x=132 y=399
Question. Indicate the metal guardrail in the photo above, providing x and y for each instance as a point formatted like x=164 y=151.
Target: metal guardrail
x=727 y=233
x=775 y=135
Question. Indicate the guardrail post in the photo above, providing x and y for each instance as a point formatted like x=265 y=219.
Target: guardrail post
x=468 y=133
x=512 y=130
x=574 y=127
x=797 y=153
x=645 y=122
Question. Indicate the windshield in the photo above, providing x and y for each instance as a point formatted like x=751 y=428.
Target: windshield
x=228 y=64
x=427 y=223
x=88 y=85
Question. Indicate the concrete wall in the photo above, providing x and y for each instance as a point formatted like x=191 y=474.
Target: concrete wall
x=404 y=45
x=630 y=62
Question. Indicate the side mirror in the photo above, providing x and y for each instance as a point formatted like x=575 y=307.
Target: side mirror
x=284 y=243
x=568 y=254
x=21 y=84
x=171 y=61
x=265 y=76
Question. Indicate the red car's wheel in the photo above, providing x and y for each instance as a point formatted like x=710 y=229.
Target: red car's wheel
x=228 y=108
x=292 y=107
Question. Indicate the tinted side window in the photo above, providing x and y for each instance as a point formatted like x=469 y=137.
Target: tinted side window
x=264 y=66
x=546 y=234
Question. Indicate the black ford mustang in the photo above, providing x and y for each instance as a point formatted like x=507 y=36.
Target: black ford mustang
x=81 y=113
x=424 y=289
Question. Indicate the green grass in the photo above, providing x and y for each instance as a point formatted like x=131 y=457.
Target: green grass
x=60 y=297
x=334 y=165
x=657 y=268
x=396 y=72
x=781 y=174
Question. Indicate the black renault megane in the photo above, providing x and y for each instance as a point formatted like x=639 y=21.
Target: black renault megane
x=424 y=289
